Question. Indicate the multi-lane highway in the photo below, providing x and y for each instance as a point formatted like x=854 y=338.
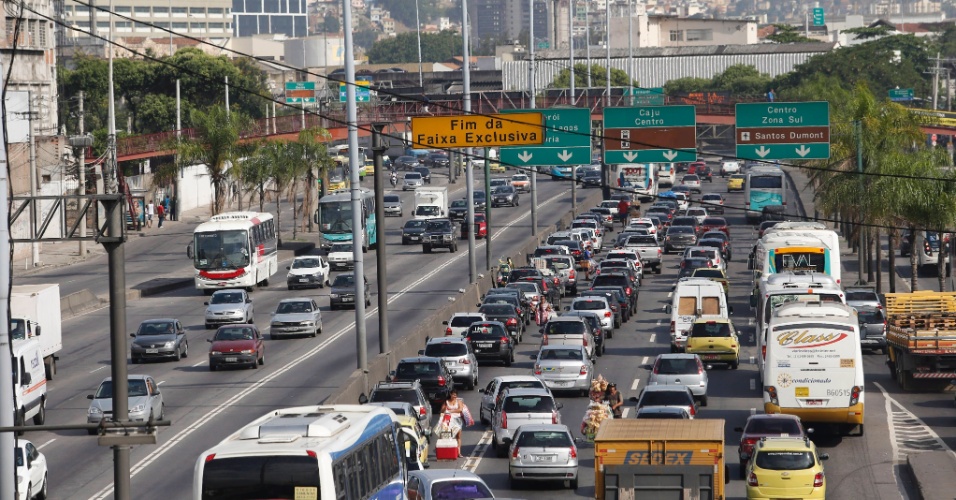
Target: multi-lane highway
x=206 y=406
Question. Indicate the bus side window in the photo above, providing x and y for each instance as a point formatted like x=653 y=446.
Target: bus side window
x=340 y=476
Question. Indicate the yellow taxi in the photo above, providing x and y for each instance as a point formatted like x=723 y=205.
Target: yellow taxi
x=714 y=341
x=412 y=423
x=369 y=167
x=786 y=467
x=736 y=182
x=495 y=167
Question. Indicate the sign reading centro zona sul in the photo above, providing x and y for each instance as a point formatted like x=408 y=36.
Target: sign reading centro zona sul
x=783 y=130
x=477 y=131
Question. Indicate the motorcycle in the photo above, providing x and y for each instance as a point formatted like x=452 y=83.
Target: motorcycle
x=393 y=179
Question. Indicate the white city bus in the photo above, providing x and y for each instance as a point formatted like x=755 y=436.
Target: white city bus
x=234 y=250
x=814 y=366
x=339 y=452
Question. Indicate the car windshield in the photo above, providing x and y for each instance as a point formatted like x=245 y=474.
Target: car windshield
x=676 y=366
x=544 y=439
x=226 y=298
x=666 y=398
x=299 y=306
x=486 y=330
x=136 y=388
x=340 y=248
x=412 y=371
x=711 y=197
x=557 y=354
x=519 y=178
x=344 y=280
x=310 y=263
x=715 y=235
x=415 y=224
x=391 y=198
x=442 y=225
x=529 y=404
x=413 y=176
x=710 y=329
x=445 y=349
x=395 y=396
x=684 y=230
x=784 y=460
x=614 y=280
x=233 y=333
x=164 y=328
x=774 y=427
x=459 y=204
x=588 y=305
x=870 y=316
x=461 y=321
x=565 y=328
x=459 y=489
x=708 y=273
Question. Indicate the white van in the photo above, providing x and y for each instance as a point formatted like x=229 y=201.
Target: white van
x=695 y=298
x=666 y=174
x=814 y=367
x=29 y=381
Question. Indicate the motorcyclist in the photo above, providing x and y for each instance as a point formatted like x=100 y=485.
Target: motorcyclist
x=393 y=179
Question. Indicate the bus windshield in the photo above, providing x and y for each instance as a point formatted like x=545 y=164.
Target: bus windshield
x=337 y=173
x=261 y=476
x=221 y=249
x=766 y=182
x=336 y=217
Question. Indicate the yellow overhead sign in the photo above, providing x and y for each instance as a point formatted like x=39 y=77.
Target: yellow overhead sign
x=465 y=131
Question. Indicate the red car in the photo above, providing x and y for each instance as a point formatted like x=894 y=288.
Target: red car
x=481 y=227
x=692 y=168
x=766 y=425
x=715 y=224
x=236 y=345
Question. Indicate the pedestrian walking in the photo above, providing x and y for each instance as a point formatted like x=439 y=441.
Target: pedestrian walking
x=622 y=207
x=160 y=214
x=150 y=210
x=771 y=95
x=166 y=207
x=614 y=398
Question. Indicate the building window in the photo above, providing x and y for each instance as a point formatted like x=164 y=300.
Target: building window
x=102 y=25
x=180 y=26
x=700 y=35
x=42 y=31
x=215 y=11
x=197 y=27
x=216 y=26
x=125 y=11
x=122 y=24
x=179 y=11
x=141 y=11
x=677 y=36
x=161 y=11
x=82 y=9
x=197 y=11
x=161 y=24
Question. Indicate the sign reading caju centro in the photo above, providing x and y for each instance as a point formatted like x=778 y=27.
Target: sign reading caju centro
x=466 y=131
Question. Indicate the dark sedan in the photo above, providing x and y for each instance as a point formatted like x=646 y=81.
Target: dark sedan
x=426 y=174
x=158 y=339
x=412 y=231
x=504 y=195
x=507 y=314
x=437 y=160
x=458 y=210
x=406 y=163
x=591 y=179
x=679 y=238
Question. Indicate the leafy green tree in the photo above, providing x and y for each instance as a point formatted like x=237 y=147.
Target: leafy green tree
x=365 y=38
x=785 y=33
x=214 y=144
x=687 y=85
x=314 y=155
x=598 y=77
x=404 y=48
x=254 y=174
x=867 y=33
x=742 y=80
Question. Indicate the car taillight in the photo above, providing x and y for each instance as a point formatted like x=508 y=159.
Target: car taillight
x=537 y=369
x=748 y=443
x=584 y=371
x=693 y=410
x=571 y=275
x=511 y=322
x=585 y=341
x=763 y=352
x=672 y=327
x=555 y=281
x=700 y=367
x=855 y=395
x=421 y=411
x=544 y=339
x=514 y=454
x=574 y=452
x=554 y=417
x=447 y=331
x=394 y=378
x=752 y=479
x=441 y=380
x=628 y=290
x=210 y=457
x=505 y=340
x=464 y=361
x=518 y=310
x=818 y=480
x=504 y=420
x=659 y=252
x=607 y=314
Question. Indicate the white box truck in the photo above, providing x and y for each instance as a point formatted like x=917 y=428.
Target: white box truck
x=35 y=313
x=431 y=202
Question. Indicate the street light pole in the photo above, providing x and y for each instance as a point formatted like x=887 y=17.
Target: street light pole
x=469 y=171
x=418 y=30
x=534 y=170
x=607 y=50
x=587 y=36
x=630 y=48
x=574 y=97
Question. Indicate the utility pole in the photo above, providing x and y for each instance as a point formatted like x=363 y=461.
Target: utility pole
x=571 y=5
x=469 y=170
x=378 y=151
x=227 y=96
x=418 y=31
x=859 y=168
x=531 y=41
x=607 y=47
x=178 y=210
x=34 y=246
x=630 y=48
x=936 y=84
x=587 y=45
x=488 y=252
x=82 y=170
x=8 y=468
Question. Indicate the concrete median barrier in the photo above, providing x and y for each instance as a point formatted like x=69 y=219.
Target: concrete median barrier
x=934 y=473
x=77 y=303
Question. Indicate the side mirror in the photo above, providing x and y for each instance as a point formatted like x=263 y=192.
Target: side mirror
x=209 y=340
x=668 y=308
x=37 y=331
x=421 y=352
x=477 y=305
x=533 y=356
x=481 y=391
x=726 y=467
x=824 y=456
x=189 y=250
x=287 y=268
x=445 y=322
x=567 y=308
x=753 y=301
x=248 y=300
x=391 y=373
x=362 y=399
x=132 y=335
x=205 y=303
x=559 y=406
x=89 y=396
x=632 y=399
x=809 y=431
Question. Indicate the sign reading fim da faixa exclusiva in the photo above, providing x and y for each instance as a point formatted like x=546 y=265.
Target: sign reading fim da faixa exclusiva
x=467 y=131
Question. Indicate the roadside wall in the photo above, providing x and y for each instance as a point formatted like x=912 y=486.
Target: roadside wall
x=378 y=367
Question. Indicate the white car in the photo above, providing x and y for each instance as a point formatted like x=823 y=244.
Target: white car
x=699 y=212
x=610 y=205
x=643 y=222
x=692 y=181
x=458 y=324
x=340 y=256
x=729 y=167
x=412 y=180
x=31 y=471
x=683 y=201
x=307 y=271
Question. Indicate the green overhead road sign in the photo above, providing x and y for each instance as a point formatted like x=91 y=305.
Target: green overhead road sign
x=567 y=140
x=901 y=95
x=300 y=85
x=362 y=93
x=650 y=134
x=783 y=130
x=646 y=97
x=299 y=100
x=818 y=19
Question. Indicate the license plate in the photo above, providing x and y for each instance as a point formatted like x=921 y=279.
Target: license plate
x=562 y=383
x=347 y=299
x=801 y=392
x=152 y=351
x=711 y=356
x=414 y=238
x=544 y=458
x=485 y=345
x=232 y=359
x=814 y=402
x=303 y=280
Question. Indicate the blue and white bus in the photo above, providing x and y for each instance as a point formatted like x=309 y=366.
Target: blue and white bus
x=334 y=217
x=340 y=452
x=764 y=187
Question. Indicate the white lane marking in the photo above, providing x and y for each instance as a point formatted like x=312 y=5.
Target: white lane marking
x=753 y=384
x=471 y=463
x=750 y=322
x=199 y=363
x=625 y=412
x=40 y=446
x=653 y=337
x=636 y=383
x=644 y=360
x=168 y=445
x=161 y=382
x=670 y=294
x=908 y=433
x=98 y=369
x=659 y=322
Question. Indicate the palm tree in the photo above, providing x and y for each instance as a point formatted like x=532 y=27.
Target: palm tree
x=256 y=173
x=215 y=145
x=315 y=164
x=274 y=160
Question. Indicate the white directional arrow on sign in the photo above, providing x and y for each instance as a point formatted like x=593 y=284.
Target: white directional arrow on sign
x=525 y=156
x=630 y=155
x=763 y=151
x=564 y=155
x=670 y=155
x=803 y=150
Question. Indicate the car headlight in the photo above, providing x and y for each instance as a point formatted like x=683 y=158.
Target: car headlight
x=169 y=345
x=334 y=295
x=94 y=410
x=215 y=353
x=308 y=323
x=246 y=351
x=137 y=408
x=235 y=313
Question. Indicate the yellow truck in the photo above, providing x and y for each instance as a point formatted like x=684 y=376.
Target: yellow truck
x=921 y=338
x=679 y=458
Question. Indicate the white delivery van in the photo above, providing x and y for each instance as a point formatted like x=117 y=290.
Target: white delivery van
x=29 y=381
x=695 y=298
x=35 y=313
x=814 y=366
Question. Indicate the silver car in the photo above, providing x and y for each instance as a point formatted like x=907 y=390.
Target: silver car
x=680 y=369
x=599 y=305
x=145 y=401
x=519 y=407
x=441 y=484
x=543 y=453
x=493 y=391
x=159 y=338
x=412 y=180
x=564 y=368
x=300 y=316
x=392 y=203
x=458 y=357
x=227 y=307
x=678 y=396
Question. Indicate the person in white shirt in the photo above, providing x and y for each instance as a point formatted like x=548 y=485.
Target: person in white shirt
x=150 y=210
